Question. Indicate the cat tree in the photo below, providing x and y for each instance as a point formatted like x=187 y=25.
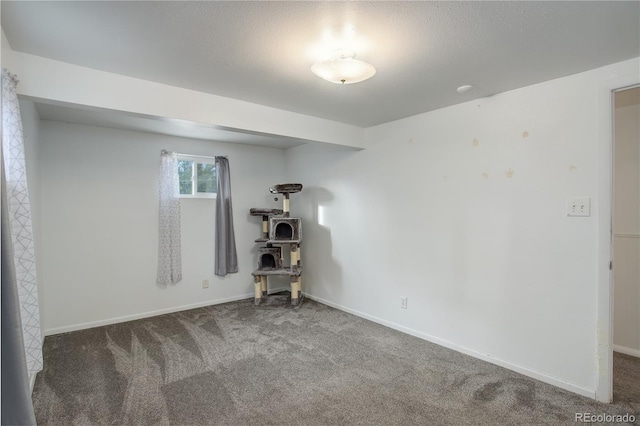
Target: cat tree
x=279 y=231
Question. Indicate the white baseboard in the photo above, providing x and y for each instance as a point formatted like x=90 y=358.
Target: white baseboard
x=125 y=318
x=555 y=381
x=627 y=351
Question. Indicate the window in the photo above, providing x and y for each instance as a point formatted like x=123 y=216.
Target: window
x=197 y=177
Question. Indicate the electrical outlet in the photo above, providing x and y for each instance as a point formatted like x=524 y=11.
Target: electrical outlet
x=579 y=207
x=205 y=283
x=403 y=302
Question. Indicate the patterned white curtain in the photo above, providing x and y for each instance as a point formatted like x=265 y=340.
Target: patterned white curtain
x=20 y=222
x=169 y=249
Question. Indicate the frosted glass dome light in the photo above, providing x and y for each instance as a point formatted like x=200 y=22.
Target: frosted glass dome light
x=341 y=68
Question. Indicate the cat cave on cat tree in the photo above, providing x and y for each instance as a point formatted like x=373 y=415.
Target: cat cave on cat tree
x=279 y=232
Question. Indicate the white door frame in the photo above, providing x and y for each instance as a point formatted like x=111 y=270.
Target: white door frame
x=604 y=308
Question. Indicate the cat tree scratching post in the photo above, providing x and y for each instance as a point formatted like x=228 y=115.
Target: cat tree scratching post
x=279 y=231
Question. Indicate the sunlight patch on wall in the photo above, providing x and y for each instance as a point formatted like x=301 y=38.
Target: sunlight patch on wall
x=321 y=219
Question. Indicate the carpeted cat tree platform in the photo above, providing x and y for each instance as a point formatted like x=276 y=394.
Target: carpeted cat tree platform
x=279 y=232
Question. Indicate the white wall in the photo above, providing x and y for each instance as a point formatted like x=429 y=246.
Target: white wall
x=490 y=263
x=100 y=224
x=626 y=223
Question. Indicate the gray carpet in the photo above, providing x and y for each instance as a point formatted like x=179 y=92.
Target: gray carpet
x=626 y=382
x=232 y=364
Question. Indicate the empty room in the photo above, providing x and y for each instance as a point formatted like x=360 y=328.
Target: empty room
x=320 y=213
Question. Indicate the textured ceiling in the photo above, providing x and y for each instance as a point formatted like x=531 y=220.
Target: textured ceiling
x=262 y=51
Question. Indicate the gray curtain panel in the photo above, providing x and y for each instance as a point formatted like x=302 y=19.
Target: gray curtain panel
x=226 y=256
x=17 y=408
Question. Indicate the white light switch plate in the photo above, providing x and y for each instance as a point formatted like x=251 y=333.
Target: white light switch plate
x=579 y=207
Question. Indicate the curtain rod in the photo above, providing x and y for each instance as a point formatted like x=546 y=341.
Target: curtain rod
x=164 y=151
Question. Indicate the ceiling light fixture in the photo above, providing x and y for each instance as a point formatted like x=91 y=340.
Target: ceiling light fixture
x=341 y=68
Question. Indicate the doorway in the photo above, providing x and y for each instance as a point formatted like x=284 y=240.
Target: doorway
x=626 y=246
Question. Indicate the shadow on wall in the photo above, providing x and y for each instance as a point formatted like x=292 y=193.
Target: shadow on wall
x=324 y=274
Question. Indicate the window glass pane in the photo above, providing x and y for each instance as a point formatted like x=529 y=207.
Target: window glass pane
x=185 y=172
x=207 y=178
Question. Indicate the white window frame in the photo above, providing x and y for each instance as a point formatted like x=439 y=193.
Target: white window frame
x=197 y=160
